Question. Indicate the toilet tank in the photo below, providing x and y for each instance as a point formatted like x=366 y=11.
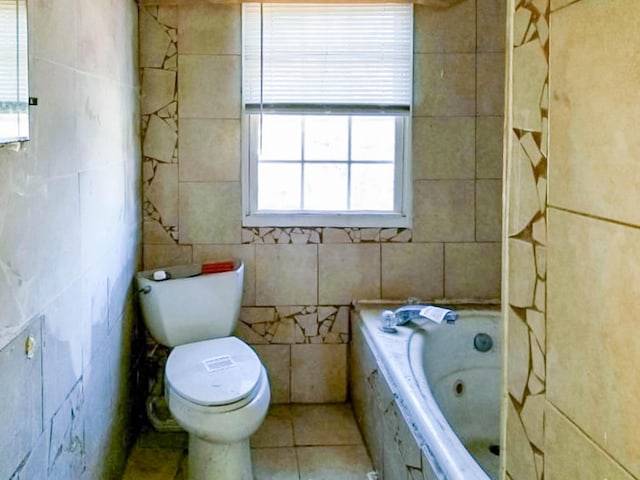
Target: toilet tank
x=189 y=305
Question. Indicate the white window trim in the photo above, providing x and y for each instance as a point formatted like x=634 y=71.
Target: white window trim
x=399 y=219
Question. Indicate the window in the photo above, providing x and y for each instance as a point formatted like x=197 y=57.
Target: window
x=327 y=96
x=14 y=96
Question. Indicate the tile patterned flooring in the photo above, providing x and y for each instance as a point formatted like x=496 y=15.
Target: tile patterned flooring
x=295 y=442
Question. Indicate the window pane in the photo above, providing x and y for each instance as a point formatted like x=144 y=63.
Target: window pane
x=373 y=138
x=325 y=186
x=326 y=137
x=281 y=137
x=278 y=186
x=372 y=187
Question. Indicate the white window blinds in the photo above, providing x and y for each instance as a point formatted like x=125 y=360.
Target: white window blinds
x=327 y=55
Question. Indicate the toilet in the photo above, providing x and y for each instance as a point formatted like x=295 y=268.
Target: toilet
x=215 y=385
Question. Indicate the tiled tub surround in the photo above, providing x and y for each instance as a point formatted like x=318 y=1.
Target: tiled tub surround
x=403 y=418
x=190 y=56
x=526 y=248
x=571 y=267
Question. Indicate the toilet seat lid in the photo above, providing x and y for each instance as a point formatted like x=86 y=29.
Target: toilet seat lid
x=213 y=372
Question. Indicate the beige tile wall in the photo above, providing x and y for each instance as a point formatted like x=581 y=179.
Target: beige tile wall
x=572 y=258
x=302 y=279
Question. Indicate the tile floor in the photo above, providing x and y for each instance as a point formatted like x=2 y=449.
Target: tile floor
x=296 y=442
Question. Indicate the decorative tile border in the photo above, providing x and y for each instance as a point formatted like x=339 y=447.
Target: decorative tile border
x=301 y=235
x=294 y=325
x=527 y=209
x=160 y=116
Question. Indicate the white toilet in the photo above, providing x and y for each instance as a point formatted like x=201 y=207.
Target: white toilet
x=215 y=385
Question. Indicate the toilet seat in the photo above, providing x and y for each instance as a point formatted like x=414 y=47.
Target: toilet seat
x=214 y=372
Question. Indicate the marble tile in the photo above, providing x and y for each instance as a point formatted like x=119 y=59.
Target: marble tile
x=325 y=425
x=445 y=30
x=52 y=43
x=522 y=273
x=532 y=416
x=592 y=300
x=412 y=270
x=489 y=135
x=520 y=462
x=277 y=361
x=157 y=256
x=210 y=29
x=571 y=454
x=162 y=192
x=348 y=272
x=67 y=437
x=168 y=15
x=21 y=378
x=199 y=97
x=530 y=147
x=521 y=24
x=444 y=84
x=276 y=430
x=274 y=464
x=558 y=4
x=66 y=339
x=209 y=212
x=443 y=211
x=36 y=462
x=318 y=373
x=159 y=140
x=488 y=210
x=541 y=6
x=490 y=84
x=286 y=274
x=472 y=270
x=537 y=323
x=518 y=356
x=153 y=463
x=349 y=462
x=491 y=20
x=153 y=230
x=155 y=46
x=55 y=121
x=443 y=147
x=209 y=150
x=593 y=137
x=530 y=69
x=158 y=89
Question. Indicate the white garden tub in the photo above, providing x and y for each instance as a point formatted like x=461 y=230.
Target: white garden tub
x=447 y=388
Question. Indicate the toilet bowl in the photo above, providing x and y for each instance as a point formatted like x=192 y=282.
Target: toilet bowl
x=216 y=387
x=218 y=391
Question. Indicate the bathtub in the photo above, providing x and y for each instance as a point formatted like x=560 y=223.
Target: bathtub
x=446 y=389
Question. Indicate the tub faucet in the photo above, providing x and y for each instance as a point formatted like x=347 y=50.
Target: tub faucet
x=409 y=312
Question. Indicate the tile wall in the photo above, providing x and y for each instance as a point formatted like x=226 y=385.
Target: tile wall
x=70 y=215
x=300 y=281
x=573 y=254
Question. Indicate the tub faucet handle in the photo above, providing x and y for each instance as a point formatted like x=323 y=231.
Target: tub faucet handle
x=388 y=322
x=430 y=312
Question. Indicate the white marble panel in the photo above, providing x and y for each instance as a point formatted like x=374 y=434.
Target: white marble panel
x=156 y=40
x=21 y=397
x=530 y=69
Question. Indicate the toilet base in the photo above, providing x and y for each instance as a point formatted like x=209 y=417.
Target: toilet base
x=216 y=461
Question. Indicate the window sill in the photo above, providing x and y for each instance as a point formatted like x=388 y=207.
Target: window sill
x=295 y=219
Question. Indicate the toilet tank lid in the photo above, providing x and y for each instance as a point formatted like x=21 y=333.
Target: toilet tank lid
x=213 y=372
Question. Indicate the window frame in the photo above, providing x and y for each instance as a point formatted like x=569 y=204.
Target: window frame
x=401 y=217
